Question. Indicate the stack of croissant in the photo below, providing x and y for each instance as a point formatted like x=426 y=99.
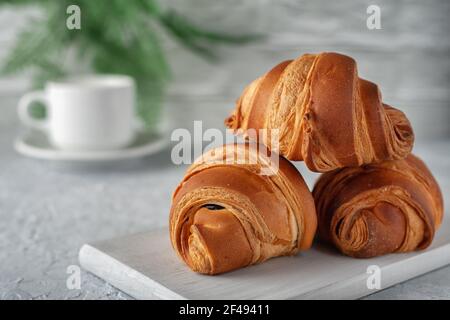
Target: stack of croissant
x=373 y=198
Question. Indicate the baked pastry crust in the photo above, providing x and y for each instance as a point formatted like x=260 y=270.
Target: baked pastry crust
x=226 y=215
x=326 y=115
x=393 y=206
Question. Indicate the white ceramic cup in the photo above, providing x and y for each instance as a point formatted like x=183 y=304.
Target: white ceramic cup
x=85 y=113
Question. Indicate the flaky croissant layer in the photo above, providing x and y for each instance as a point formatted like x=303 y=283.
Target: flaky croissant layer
x=393 y=206
x=227 y=215
x=325 y=115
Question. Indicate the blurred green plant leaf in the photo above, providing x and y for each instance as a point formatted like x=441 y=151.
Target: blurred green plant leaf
x=116 y=36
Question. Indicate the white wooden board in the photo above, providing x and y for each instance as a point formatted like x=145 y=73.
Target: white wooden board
x=145 y=267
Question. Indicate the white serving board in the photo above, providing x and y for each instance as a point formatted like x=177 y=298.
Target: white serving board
x=145 y=266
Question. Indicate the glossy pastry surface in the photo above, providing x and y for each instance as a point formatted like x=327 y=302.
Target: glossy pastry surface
x=227 y=215
x=393 y=206
x=324 y=113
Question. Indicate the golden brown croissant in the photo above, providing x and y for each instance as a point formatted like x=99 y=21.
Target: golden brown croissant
x=226 y=216
x=393 y=206
x=325 y=114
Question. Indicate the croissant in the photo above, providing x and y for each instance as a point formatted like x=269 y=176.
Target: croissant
x=393 y=206
x=227 y=215
x=325 y=115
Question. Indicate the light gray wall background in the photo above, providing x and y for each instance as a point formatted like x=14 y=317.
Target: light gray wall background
x=408 y=57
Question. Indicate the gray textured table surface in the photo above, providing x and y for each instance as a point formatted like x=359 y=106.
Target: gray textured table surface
x=48 y=210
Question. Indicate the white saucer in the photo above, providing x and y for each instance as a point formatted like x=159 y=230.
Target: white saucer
x=36 y=144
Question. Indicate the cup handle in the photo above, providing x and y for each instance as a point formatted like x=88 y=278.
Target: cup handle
x=23 y=110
